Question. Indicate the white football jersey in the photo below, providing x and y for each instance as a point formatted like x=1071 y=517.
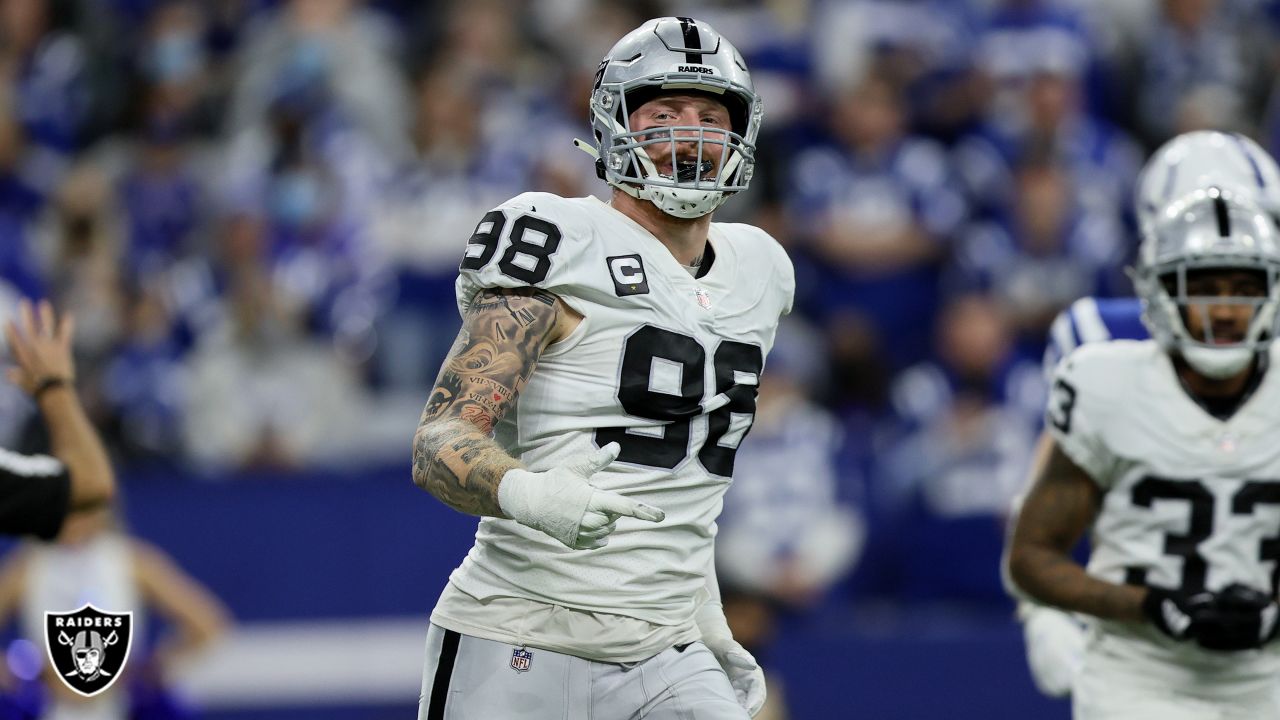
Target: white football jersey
x=1191 y=502
x=662 y=363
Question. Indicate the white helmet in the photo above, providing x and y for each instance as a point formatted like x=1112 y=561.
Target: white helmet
x=1203 y=159
x=668 y=54
x=1209 y=228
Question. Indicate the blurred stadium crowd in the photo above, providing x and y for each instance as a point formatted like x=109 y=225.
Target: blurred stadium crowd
x=256 y=208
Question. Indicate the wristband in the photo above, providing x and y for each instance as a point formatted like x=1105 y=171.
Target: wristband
x=48 y=384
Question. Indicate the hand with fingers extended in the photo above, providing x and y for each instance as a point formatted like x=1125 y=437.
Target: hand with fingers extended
x=40 y=345
x=562 y=503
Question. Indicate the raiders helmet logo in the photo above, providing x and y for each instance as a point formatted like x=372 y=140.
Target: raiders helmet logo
x=88 y=647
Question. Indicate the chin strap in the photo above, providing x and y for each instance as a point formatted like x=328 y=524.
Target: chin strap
x=586 y=147
x=590 y=149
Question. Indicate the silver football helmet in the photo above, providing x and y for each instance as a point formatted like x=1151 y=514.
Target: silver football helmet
x=1209 y=228
x=1203 y=159
x=674 y=54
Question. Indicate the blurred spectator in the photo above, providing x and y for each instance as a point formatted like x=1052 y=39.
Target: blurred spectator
x=1017 y=33
x=432 y=206
x=164 y=195
x=42 y=70
x=94 y=561
x=260 y=394
x=878 y=210
x=175 y=80
x=16 y=408
x=922 y=46
x=309 y=180
x=346 y=50
x=968 y=424
x=1046 y=252
x=144 y=385
x=24 y=179
x=80 y=240
x=1191 y=50
x=850 y=39
x=788 y=531
x=1040 y=111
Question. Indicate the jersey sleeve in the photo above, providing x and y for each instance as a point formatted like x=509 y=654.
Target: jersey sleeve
x=786 y=278
x=35 y=495
x=532 y=240
x=1061 y=341
x=1079 y=403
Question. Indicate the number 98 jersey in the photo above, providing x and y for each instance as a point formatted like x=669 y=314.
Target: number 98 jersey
x=1191 y=502
x=664 y=364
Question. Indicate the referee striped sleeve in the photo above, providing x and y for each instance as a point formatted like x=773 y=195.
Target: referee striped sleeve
x=29 y=465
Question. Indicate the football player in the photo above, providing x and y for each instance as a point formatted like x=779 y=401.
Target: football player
x=1195 y=160
x=1165 y=450
x=592 y=405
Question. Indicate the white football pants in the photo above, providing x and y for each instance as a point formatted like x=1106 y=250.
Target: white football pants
x=1116 y=687
x=469 y=678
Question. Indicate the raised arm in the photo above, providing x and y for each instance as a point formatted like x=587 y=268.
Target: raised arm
x=503 y=335
x=1057 y=512
x=41 y=347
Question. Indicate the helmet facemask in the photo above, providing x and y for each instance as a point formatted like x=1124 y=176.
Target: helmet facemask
x=1203 y=236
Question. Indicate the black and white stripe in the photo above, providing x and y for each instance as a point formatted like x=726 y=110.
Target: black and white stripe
x=444 y=673
x=1224 y=219
x=692 y=40
x=29 y=465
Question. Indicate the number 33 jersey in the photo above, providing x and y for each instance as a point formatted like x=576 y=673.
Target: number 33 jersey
x=664 y=364
x=1191 y=502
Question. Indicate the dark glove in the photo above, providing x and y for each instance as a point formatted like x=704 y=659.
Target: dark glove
x=1176 y=614
x=1242 y=618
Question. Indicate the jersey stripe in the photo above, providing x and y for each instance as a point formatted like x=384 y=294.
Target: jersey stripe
x=692 y=40
x=29 y=465
x=1088 y=321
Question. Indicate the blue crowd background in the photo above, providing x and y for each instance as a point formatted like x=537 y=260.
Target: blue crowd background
x=255 y=209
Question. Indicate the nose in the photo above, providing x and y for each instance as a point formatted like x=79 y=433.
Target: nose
x=688 y=117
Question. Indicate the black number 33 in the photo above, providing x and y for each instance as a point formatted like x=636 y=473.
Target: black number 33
x=528 y=256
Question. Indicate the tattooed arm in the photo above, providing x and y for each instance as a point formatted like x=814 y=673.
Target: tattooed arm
x=1059 y=509
x=504 y=332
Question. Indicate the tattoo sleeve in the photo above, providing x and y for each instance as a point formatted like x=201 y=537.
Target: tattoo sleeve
x=454 y=455
x=1058 y=510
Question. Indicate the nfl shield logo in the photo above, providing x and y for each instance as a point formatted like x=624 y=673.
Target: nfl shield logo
x=88 y=647
x=704 y=298
x=521 y=659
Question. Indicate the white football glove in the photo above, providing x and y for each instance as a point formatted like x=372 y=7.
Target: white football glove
x=561 y=503
x=744 y=672
x=1055 y=648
